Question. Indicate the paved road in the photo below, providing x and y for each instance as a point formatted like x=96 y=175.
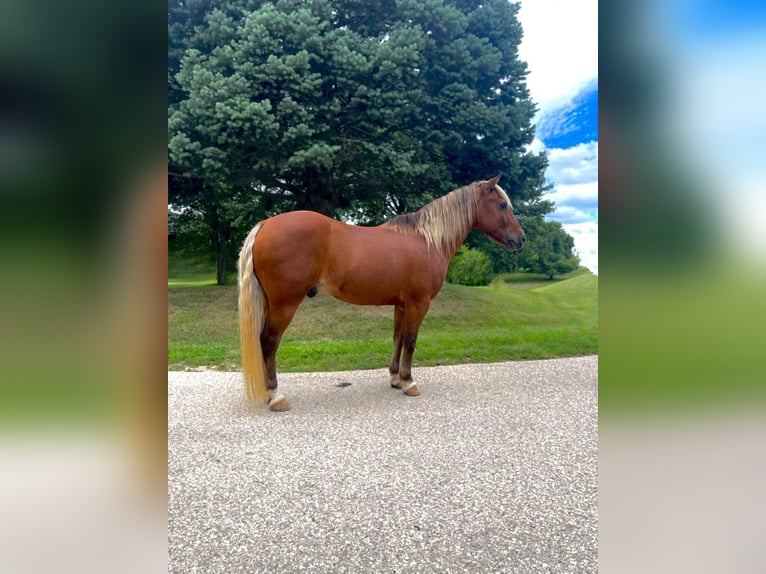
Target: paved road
x=493 y=468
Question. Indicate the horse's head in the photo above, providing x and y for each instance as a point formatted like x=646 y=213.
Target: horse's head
x=494 y=215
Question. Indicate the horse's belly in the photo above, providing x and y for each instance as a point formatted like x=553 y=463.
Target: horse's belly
x=380 y=284
x=365 y=290
x=371 y=266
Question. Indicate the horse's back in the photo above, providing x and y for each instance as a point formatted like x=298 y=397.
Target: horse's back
x=300 y=229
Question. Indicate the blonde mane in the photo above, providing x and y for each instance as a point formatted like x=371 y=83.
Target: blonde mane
x=442 y=221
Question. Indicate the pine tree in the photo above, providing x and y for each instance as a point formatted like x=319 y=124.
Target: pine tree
x=350 y=108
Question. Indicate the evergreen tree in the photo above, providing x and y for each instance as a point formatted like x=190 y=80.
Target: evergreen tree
x=350 y=108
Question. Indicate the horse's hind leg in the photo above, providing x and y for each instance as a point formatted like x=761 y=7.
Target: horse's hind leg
x=278 y=319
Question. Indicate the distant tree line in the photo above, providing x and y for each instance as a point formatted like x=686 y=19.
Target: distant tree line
x=358 y=109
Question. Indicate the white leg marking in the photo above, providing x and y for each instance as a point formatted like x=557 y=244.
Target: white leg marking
x=276 y=396
x=409 y=385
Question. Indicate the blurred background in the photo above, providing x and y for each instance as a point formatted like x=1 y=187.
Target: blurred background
x=682 y=188
x=83 y=233
x=683 y=271
x=82 y=294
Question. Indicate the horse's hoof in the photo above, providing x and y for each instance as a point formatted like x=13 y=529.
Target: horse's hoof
x=396 y=382
x=411 y=390
x=280 y=406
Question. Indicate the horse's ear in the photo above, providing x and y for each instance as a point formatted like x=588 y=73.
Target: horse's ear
x=490 y=184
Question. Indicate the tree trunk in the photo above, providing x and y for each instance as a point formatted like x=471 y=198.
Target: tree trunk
x=222 y=264
x=321 y=194
x=221 y=240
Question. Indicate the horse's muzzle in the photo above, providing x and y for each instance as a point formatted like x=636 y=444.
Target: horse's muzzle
x=516 y=242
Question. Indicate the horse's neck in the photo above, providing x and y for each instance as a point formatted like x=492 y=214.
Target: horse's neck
x=455 y=242
x=442 y=231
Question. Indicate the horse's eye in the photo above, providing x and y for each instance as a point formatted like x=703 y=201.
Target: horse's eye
x=504 y=206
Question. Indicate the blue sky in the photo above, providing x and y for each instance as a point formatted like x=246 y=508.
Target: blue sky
x=560 y=46
x=573 y=122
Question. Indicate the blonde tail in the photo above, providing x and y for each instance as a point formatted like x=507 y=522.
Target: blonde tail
x=251 y=318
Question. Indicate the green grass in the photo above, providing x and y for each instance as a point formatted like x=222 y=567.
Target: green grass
x=191 y=282
x=185 y=273
x=531 y=280
x=522 y=318
x=681 y=340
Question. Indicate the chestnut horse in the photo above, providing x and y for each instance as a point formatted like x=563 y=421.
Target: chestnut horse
x=401 y=263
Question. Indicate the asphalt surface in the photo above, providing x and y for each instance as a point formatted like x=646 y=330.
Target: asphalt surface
x=494 y=468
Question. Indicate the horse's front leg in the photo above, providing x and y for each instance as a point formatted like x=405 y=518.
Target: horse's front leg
x=413 y=317
x=393 y=366
x=406 y=383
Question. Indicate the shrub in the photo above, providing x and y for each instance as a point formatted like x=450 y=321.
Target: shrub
x=469 y=267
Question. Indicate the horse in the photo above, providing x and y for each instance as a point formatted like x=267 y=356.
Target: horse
x=402 y=263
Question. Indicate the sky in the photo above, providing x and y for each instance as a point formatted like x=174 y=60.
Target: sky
x=714 y=56
x=560 y=47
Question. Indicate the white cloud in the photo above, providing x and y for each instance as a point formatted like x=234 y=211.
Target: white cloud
x=575 y=194
x=574 y=174
x=536 y=146
x=560 y=46
x=585 y=236
x=570 y=216
x=578 y=164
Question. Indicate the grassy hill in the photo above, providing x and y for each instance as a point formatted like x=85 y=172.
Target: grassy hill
x=519 y=316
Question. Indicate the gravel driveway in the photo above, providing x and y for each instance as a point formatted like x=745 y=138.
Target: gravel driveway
x=493 y=469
